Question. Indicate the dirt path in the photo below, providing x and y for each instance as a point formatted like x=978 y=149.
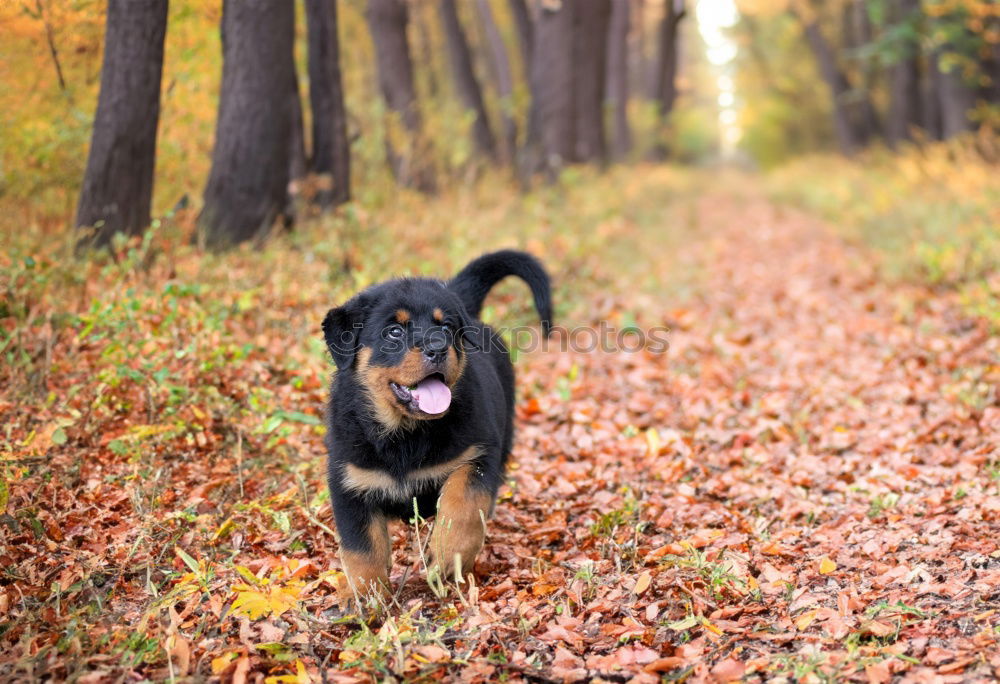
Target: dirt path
x=824 y=476
x=806 y=485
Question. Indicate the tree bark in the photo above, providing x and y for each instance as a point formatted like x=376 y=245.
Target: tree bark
x=117 y=187
x=956 y=99
x=298 y=164
x=552 y=84
x=525 y=33
x=466 y=83
x=905 y=113
x=590 y=42
x=387 y=20
x=618 y=77
x=847 y=135
x=666 y=63
x=248 y=184
x=502 y=76
x=532 y=152
x=331 y=149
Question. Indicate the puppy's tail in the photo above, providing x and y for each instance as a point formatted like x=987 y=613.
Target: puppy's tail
x=474 y=282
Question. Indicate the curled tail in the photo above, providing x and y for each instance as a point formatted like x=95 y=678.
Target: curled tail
x=474 y=282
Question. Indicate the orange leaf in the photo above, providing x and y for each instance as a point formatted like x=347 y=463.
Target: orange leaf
x=642 y=584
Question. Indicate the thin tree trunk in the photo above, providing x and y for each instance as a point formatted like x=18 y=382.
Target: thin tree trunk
x=666 y=63
x=425 y=48
x=904 y=81
x=503 y=77
x=466 y=83
x=331 y=148
x=387 y=20
x=618 y=77
x=957 y=98
x=847 y=136
x=590 y=41
x=638 y=68
x=298 y=165
x=117 y=187
x=930 y=95
x=552 y=79
x=525 y=33
x=857 y=34
x=248 y=184
x=531 y=156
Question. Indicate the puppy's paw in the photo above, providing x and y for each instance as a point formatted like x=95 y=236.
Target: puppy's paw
x=365 y=576
x=455 y=545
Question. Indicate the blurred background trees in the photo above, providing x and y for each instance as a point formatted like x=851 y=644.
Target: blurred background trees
x=270 y=109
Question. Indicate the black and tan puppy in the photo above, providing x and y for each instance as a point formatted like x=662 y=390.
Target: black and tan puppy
x=421 y=408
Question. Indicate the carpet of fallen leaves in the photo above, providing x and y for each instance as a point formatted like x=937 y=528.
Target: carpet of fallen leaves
x=806 y=486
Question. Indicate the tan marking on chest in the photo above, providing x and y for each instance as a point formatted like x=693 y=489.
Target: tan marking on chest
x=374 y=481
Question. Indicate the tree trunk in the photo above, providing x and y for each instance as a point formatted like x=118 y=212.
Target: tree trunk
x=298 y=165
x=248 y=185
x=532 y=153
x=666 y=63
x=847 y=135
x=387 y=21
x=590 y=42
x=904 y=81
x=118 y=184
x=956 y=97
x=503 y=77
x=618 y=77
x=460 y=57
x=857 y=34
x=331 y=149
x=552 y=84
x=930 y=95
x=525 y=33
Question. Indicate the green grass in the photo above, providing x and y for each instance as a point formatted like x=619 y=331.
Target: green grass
x=931 y=214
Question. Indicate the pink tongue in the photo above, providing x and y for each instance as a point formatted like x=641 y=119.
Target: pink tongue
x=432 y=396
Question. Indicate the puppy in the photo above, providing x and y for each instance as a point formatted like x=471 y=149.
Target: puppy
x=421 y=413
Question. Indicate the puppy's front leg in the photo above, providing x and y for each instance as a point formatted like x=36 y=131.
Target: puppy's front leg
x=365 y=547
x=465 y=504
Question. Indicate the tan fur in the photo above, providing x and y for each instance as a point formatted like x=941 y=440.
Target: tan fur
x=376 y=383
x=459 y=528
x=375 y=379
x=368 y=573
x=402 y=316
x=438 y=316
x=374 y=481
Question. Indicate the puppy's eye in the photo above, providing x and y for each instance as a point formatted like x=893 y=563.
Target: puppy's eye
x=394 y=332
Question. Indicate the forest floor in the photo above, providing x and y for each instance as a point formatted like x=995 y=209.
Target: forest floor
x=805 y=486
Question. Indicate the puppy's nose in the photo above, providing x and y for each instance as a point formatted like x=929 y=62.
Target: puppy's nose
x=435 y=347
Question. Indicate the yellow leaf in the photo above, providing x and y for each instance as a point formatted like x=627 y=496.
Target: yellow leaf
x=805 y=620
x=222 y=663
x=642 y=584
x=257 y=604
x=653 y=441
x=826 y=566
x=300 y=676
x=710 y=627
x=253 y=604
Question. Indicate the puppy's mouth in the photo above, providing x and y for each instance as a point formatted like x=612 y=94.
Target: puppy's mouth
x=430 y=396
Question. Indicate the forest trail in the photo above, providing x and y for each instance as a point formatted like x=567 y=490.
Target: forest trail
x=824 y=473
x=806 y=485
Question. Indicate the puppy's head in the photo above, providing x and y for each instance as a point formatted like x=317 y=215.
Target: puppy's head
x=403 y=341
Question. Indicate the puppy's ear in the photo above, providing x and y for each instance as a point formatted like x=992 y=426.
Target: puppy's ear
x=341 y=330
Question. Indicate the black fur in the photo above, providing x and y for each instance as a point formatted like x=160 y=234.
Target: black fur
x=481 y=412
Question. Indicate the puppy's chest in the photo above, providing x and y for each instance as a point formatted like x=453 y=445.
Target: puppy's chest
x=406 y=471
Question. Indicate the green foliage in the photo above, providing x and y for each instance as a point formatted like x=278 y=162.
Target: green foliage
x=931 y=213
